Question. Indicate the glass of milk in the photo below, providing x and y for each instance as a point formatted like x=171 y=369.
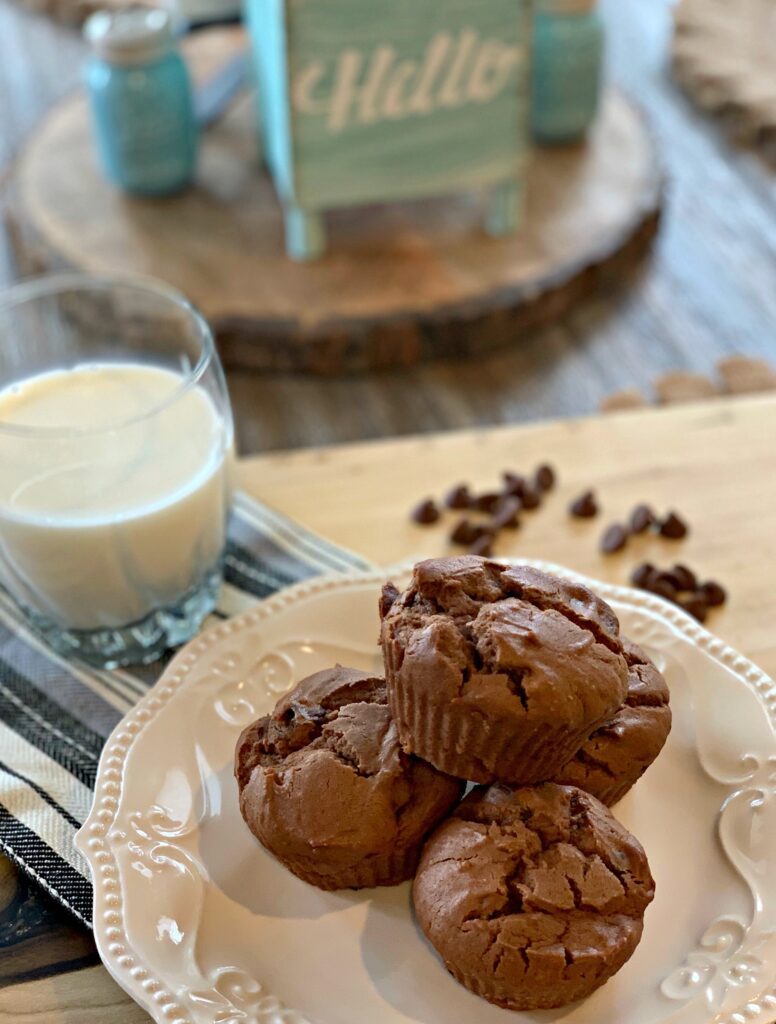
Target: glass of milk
x=116 y=441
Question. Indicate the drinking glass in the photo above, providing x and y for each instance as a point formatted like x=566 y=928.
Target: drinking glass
x=116 y=441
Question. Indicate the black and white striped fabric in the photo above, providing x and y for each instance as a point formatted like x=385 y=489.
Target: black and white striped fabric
x=55 y=715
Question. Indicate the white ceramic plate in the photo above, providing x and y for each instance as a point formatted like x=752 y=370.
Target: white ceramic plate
x=199 y=924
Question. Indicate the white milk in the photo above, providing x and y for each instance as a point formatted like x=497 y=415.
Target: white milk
x=98 y=527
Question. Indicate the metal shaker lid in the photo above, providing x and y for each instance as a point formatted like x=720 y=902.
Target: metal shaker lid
x=130 y=35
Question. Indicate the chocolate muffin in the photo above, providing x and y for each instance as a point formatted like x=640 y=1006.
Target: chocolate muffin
x=499 y=673
x=325 y=786
x=617 y=755
x=533 y=897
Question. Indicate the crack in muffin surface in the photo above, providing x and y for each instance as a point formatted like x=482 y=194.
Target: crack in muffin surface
x=532 y=896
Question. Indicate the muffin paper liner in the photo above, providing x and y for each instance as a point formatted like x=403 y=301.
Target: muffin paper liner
x=471 y=747
x=612 y=792
x=376 y=870
x=536 y=1000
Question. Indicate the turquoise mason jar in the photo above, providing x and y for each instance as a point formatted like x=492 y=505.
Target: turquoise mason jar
x=141 y=100
x=567 y=58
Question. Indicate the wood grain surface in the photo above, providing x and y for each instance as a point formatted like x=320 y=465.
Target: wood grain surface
x=42 y=939
x=723 y=58
x=713 y=461
x=71 y=12
x=708 y=291
x=370 y=102
x=402 y=282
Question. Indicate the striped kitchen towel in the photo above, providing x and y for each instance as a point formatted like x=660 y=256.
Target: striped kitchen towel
x=55 y=715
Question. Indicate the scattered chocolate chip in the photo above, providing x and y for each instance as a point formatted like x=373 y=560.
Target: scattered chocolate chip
x=585 y=506
x=686 y=578
x=695 y=605
x=513 y=483
x=643 y=575
x=614 y=539
x=673 y=527
x=459 y=497
x=530 y=498
x=642 y=517
x=713 y=593
x=483 y=546
x=506 y=516
x=426 y=513
x=680 y=585
x=662 y=587
x=466 y=533
x=674 y=578
x=487 y=502
x=544 y=478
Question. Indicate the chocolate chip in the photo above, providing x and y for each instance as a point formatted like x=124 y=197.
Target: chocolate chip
x=686 y=578
x=506 y=516
x=673 y=527
x=530 y=498
x=662 y=587
x=483 y=546
x=696 y=605
x=713 y=593
x=585 y=506
x=513 y=483
x=642 y=517
x=643 y=576
x=614 y=539
x=544 y=478
x=487 y=502
x=459 y=497
x=466 y=532
x=426 y=513
x=674 y=578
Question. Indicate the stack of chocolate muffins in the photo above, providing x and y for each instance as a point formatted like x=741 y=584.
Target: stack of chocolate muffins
x=528 y=888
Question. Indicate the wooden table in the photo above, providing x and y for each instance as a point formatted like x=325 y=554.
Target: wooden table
x=715 y=463
x=708 y=290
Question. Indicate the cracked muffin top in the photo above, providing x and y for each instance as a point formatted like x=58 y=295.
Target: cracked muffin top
x=617 y=755
x=533 y=897
x=323 y=778
x=536 y=660
x=460 y=586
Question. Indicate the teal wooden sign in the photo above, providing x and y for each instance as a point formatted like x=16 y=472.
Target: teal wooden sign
x=375 y=100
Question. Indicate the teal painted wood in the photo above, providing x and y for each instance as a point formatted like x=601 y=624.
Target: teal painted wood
x=266 y=21
x=568 y=54
x=250 y=13
x=305 y=234
x=375 y=101
x=504 y=209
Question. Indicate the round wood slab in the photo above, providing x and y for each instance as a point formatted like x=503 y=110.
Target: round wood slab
x=402 y=282
x=72 y=12
x=723 y=58
x=68 y=12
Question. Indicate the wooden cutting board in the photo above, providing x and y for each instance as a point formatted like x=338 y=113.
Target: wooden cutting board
x=714 y=462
